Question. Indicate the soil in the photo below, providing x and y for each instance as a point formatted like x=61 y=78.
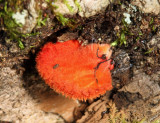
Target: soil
x=25 y=97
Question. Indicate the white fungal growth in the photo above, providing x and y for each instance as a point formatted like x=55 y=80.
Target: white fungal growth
x=20 y=17
x=127 y=18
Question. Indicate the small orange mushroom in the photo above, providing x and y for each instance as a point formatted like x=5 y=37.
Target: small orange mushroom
x=79 y=72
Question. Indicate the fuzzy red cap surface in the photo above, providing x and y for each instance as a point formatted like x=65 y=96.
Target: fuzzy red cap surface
x=79 y=72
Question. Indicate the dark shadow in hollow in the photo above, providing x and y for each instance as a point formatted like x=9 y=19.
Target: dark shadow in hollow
x=33 y=83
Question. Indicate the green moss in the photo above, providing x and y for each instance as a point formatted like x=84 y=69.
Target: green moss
x=151 y=22
x=149 y=51
x=156 y=121
x=120 y=40
x=11 y=27
x=153 y=27
x=9 y=24
x=140 y=33
x=60 y=17
x=20 y=44
x=65 y=21
x=78 y=5
x=68 y=6
x=122 y=36
x=40 y=21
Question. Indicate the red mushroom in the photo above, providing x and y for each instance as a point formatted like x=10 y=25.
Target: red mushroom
x=79 y=72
